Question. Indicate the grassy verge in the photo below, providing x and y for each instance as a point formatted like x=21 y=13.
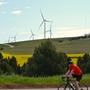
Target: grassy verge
x=12 y=80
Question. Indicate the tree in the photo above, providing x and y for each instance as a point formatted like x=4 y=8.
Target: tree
x=5 y=68
x=31 y=68
x=84 y=63
x=13 y=64
x=18 y=71
x=46 y=61
x=1 y=71
x=1 y=56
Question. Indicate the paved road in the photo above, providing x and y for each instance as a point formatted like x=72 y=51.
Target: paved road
x=33 y=89
x=38 y=89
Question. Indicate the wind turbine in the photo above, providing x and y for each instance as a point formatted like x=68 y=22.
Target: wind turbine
x=9 y=39
x=50 y=30
x=15 y=37
x=43 y=22
x=32 y=36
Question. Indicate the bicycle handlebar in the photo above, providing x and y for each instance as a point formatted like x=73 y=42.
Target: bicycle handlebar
x=65 y=78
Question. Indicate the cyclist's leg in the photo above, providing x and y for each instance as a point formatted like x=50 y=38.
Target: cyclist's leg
x=78 y=78
x=77 y=85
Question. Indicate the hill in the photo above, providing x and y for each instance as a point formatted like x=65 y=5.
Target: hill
x=66 y=45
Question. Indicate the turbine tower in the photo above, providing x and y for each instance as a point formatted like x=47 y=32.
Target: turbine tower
x=43 y=22
x=50 y=30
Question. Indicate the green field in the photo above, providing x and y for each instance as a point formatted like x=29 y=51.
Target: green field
x=62 y=44
x=12 y=80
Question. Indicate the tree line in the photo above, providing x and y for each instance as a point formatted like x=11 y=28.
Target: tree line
x=80 y=37
x=84 y=63
x=46 y=61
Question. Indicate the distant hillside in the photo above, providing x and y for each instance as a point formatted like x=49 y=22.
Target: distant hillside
x=67 y=45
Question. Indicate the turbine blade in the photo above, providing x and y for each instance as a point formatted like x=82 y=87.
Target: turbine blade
x=40 y=25
x=30 y=37
x=42 y=15
x=31 y=32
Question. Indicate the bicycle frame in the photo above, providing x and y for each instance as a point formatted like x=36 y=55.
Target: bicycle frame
x=68 y=84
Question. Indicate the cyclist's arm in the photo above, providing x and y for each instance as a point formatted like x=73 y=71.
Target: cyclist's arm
x=70 y=74
x=67 y=73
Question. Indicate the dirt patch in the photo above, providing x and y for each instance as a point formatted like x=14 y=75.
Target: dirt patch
x=20 y=86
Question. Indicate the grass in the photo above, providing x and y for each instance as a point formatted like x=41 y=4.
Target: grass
x=27 y=80
x=12 y=80
x=27 y=47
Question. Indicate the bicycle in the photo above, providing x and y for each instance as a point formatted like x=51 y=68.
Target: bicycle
x=70 y=85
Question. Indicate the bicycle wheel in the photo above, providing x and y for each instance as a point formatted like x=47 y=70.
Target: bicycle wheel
x=64 y=87
x=60 y=86
x=67 y=88
x=83 y=86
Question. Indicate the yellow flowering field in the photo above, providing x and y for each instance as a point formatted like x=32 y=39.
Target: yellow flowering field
x=74 y=57
x=74 y=60
x=21 y=59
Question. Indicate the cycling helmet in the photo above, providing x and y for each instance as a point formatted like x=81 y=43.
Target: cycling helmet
x=70 y=62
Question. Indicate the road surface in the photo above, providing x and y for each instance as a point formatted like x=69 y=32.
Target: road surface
x=38 y=89
x=33 y=89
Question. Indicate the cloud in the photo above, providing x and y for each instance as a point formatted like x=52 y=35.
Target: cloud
x=16 y=12
x=28 y=7
x=2 y=3
x=66 y=32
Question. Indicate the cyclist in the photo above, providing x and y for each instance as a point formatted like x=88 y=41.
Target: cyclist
x=74 y=72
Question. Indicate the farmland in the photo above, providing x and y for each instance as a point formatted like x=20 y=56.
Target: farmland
x=21 y=59
x=25 y=49
x=80 y=46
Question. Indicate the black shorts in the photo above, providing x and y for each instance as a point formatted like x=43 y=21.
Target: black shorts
x=78 y=78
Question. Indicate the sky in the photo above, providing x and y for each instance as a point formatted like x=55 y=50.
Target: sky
x=21 y=18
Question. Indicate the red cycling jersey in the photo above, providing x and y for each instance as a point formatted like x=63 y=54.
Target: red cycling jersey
x=76 y=69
